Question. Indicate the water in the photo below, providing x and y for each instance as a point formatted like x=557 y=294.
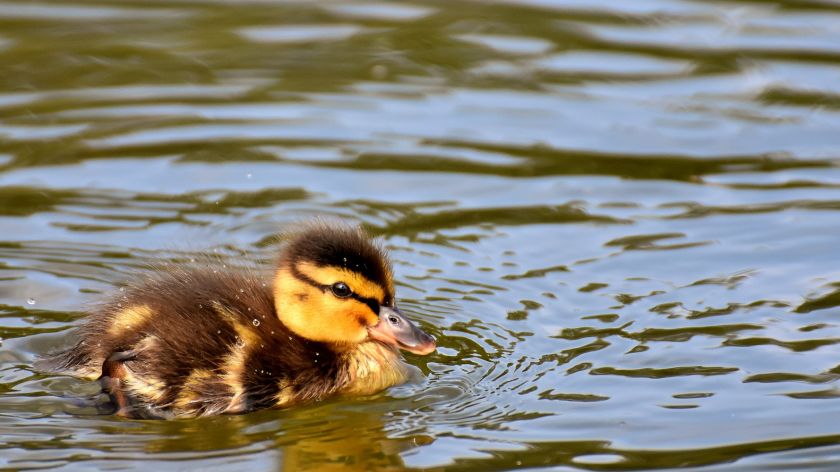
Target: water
x=620 y=220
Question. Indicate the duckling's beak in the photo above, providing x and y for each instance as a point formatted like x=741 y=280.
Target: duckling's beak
x=396 y=330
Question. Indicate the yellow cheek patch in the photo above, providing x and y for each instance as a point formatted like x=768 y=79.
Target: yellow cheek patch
x=313 y=314
x=360 y=284
x=349 y=314
x=364 y=316
x=129 y=318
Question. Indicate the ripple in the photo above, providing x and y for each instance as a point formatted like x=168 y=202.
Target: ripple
x=722 y=35
x=598 y=459
x=572 y=397
x=69 y=12
x=829 y=300
x=231 y=132
x=417 y=222
x=509 y=44
x=651 y=242
x=661 y=373
x=536 y=273
x=774 y=377
x=38 y=133
x=610 y=65
x=804 y=98
x=795 y=346
x=252 y=112
x=815 y=394
x=381 y=11
x=300 y=33
x=119 y=94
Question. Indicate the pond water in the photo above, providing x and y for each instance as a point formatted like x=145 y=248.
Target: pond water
x=619 y=219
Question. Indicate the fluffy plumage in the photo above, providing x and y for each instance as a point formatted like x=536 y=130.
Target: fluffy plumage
x=195 y=341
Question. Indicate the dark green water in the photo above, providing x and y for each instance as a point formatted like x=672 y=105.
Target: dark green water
x=620 y=219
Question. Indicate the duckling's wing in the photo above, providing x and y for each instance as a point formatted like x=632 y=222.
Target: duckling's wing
x=141 y=389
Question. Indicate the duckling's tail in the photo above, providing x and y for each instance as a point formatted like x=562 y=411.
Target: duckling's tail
x=76 y=360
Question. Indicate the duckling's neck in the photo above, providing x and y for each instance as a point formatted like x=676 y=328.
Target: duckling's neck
x=370 y=367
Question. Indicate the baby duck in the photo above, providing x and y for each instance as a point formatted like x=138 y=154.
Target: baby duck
x=190 y=342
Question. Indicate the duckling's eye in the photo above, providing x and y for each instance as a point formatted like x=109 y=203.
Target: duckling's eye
x=341 y=290
x=394 y=320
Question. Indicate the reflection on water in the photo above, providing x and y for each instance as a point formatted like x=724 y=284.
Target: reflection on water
x=619 y=220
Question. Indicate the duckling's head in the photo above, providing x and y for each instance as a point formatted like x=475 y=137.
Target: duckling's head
x=334 y=285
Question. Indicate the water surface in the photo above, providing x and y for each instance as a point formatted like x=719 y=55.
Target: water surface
x=619 y=219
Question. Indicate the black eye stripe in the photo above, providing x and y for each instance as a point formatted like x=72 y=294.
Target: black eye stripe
x=372 y=303
x=305 y=278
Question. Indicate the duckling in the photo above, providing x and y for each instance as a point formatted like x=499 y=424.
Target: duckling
x=189 y=342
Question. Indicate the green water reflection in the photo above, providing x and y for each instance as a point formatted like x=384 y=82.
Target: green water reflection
x=618 y=219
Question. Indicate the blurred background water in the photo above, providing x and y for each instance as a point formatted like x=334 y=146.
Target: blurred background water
x=620 y=219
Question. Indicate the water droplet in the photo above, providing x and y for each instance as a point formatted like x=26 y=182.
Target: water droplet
x=119 y=305
x=290 y=338
x=122 y=289
x=200 y=305
x=218 y=331
x=317 y=353
x=241 y=290
x=379 y=72
x=30 y=301
x=255 y=322
x=248 y=175
x=272 y=331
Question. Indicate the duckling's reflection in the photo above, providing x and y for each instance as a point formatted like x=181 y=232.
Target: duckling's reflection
x=325 y=437
x=357 y=440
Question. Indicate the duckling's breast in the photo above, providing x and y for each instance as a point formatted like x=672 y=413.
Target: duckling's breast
x=372 y=367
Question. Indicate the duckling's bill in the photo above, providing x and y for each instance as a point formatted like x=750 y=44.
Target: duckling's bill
x=396 y=330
